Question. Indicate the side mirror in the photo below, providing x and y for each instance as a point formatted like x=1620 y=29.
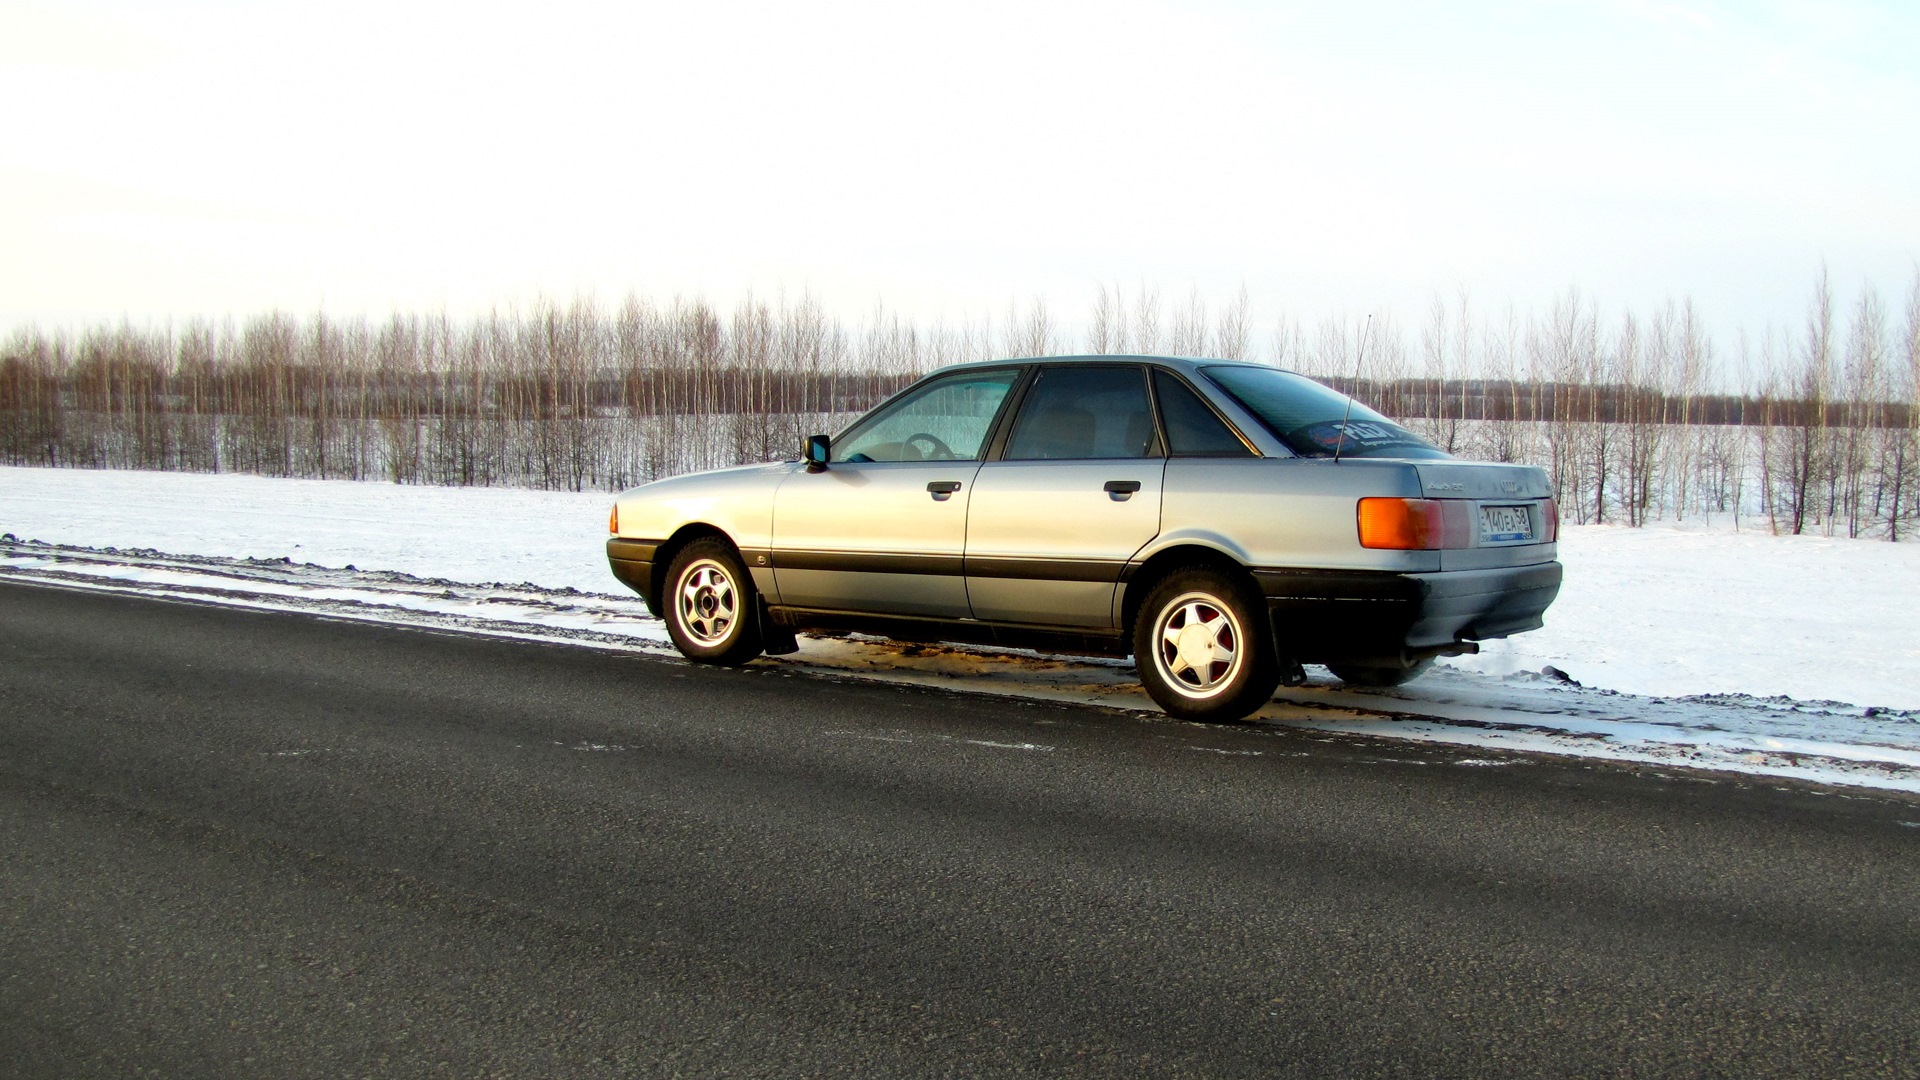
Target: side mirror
x=816 y=451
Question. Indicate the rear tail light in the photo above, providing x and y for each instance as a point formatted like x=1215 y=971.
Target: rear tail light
x=1550 y=521
x=1415 y=524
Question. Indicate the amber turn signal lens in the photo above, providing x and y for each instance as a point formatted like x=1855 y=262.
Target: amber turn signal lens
x=1401 y=524
x=1416 y=524
x=613 y=520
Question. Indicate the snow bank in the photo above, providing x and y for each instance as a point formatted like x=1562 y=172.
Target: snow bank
x=1672 y=610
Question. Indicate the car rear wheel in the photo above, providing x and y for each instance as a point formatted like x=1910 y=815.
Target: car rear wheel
x=711 y=606
x=1204 y=646
x=1378 y=674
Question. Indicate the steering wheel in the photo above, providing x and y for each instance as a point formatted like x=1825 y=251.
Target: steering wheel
x=941 y=451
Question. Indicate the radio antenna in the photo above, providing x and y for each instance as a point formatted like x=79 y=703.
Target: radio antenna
x=1341 y=443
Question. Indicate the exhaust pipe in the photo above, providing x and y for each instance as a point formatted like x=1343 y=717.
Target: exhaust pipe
x=1457 y=648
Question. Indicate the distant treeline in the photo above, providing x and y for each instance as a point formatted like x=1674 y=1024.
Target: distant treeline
x=1635 y=419
x=1478 y=399
x=570 y=398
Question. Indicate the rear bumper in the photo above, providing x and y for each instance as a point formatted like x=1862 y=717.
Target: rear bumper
x=1339 y=614
x=632 y=563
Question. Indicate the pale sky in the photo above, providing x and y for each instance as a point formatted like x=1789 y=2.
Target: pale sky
x=170 y=159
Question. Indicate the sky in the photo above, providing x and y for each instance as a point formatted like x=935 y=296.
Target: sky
x=164 y=160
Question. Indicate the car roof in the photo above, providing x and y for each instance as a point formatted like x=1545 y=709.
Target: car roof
x=1187 y=364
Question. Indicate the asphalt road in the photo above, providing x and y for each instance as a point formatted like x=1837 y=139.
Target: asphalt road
x=242 y=843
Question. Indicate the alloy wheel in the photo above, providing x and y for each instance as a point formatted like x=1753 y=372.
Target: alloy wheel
x=708 y=602
x=1199 y=644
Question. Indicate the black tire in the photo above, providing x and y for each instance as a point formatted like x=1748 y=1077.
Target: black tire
x=1377 y=674
x=711 y=607
x=1187 y=620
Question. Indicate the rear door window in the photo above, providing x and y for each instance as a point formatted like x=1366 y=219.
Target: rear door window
x=1085 y=412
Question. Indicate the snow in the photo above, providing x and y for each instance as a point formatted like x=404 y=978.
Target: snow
x=475 y=534
x=1691 y=644
x=1695 y=609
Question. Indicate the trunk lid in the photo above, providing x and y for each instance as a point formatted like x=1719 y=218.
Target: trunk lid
x=1482 y=481
x=1500 y=536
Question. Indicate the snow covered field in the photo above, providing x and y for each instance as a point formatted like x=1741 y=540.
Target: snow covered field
x=1680 y=644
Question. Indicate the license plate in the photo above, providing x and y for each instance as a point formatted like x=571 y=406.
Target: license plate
x=1505 y=524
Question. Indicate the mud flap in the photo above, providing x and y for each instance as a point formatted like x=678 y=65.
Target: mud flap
x=1291 y=673
x=775 y=639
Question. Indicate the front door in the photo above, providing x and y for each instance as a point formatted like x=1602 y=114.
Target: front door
x=882 y=529
x=1075 y=495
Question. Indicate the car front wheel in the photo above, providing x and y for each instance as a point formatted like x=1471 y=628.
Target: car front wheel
x=1204 y=646
x=711 y=607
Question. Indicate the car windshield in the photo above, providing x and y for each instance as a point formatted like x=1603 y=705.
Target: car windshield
x=1310 y=417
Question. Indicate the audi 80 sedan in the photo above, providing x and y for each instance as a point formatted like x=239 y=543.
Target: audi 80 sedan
x=1223 y=523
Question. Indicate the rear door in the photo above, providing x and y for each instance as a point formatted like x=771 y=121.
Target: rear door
x=1074 y=494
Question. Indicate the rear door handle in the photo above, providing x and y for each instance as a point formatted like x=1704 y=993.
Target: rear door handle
x=943 y=489
x=1121 y=490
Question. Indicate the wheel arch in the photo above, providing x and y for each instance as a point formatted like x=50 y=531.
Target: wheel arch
x=1192 y=552
x=670 y=549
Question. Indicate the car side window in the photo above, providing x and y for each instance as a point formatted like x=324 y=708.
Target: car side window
x=1085 y=412
x=946 y=420
x=1193 y=430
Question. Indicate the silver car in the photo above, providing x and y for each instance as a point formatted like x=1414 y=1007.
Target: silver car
x=1224 y=523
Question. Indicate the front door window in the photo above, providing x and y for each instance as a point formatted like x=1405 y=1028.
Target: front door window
x=946 y=420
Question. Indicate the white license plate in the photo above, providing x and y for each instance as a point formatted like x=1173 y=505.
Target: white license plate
x=1505 y=524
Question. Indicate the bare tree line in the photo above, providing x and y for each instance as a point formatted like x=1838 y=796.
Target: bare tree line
x=1636 y=417
x=571 y=397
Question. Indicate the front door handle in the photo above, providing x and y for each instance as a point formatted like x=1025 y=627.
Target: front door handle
x=943 y=489
x=1121 y=490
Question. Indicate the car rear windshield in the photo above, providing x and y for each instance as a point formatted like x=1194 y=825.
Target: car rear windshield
x=1308 y=417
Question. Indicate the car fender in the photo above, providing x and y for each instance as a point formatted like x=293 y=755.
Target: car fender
x=737 y=503
x=1189 y=537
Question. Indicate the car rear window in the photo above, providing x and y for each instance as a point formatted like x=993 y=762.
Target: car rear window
x=1308 y=416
